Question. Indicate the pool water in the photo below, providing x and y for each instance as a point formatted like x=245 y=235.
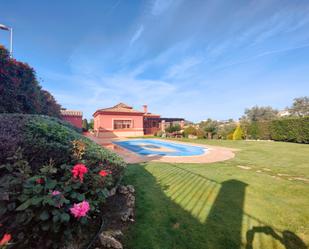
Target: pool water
x=148 y=147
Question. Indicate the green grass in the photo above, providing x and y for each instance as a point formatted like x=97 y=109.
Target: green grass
x=220 y=205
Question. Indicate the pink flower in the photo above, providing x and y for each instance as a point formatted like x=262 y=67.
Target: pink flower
x=80 y=209
x=78 y=171
x=5 y=239
x=55 y=192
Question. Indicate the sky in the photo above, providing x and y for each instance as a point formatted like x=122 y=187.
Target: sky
x=183 y=58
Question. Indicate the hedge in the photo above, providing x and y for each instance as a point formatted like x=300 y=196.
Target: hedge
x=290 y=130
x=43 y=138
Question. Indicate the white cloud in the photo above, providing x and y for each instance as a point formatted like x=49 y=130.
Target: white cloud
x=137 y=34
x=180 y=69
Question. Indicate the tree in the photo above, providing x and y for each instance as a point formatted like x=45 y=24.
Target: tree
x=85 y=125
x=225 y=129
x=20 y=91
x=91 y=124
x=210 y=127
x=300 y=107
x=262 y=113
x=238 y=133
x=173 y=128
x=49 y=105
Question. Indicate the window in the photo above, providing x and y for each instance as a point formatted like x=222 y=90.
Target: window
x=122 y=124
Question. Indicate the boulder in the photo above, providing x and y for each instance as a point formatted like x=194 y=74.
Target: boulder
x=123 y=190
x=131 y=189
x=127 y=215
x=130 y=202
x=107 y=240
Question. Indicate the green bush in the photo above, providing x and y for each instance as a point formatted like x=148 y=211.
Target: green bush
x=238 y=133
x=173 y=128
x=258 y=130
x=290 y=130
x=38 y=183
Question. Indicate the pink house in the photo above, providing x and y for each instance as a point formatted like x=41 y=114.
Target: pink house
x=118 y=121
x=123 y=121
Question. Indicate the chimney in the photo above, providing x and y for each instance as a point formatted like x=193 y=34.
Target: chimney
x=145 y=108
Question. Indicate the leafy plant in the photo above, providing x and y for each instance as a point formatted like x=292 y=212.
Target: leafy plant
x=238 y=133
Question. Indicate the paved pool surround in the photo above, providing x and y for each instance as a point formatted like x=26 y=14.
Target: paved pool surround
x=211 y=153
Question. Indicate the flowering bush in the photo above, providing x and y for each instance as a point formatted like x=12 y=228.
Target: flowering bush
x=46 y=207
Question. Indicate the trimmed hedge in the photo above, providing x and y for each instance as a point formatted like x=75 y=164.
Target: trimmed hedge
x=290 y=130
x=44 y=138
x=259 y=130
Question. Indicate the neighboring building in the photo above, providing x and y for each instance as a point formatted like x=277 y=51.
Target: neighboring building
x=73 y=117
x=123 y=121
x=284 y=113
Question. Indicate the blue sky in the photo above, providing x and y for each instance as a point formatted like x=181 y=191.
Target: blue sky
x=191 y=59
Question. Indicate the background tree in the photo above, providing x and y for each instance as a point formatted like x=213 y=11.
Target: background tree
x=300 y=107
x=91 y=124
x=226 y=129
x=85 y=125
x=173 y=128
x=210 y=127
x=262 y=113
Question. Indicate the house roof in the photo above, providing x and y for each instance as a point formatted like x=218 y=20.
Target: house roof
x=121 y=107
x=71 y=113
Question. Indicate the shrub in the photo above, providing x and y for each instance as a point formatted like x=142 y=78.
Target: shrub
x=41 y=192
x=230 y=136
x=238 y=133
x=173 y=128
x=190 y=130
x=20 y=91
x=225 y=130
x=159 y=133
x=200 y=133
x=290 y=130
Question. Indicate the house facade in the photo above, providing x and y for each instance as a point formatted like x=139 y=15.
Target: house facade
x=118 y=121
x=122 y=120
x=73 y=117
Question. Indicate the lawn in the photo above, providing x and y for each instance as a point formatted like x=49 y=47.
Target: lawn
x=259 y=199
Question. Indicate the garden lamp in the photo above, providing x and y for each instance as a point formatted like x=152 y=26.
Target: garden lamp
x=3 y=27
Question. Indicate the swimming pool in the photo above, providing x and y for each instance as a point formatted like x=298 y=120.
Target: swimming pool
x=148 y=147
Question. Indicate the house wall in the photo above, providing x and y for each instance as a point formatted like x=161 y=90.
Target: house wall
x=77 y=121
x=103 y=125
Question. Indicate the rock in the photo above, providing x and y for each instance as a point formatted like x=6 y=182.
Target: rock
x=127 y=214
x=123 y=190
x=114 y=233
x=131 y=189
x=109 y=241
x=112 y=192
x=130 y=200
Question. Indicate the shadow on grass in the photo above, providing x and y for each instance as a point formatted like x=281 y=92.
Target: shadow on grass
x=167 y=222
